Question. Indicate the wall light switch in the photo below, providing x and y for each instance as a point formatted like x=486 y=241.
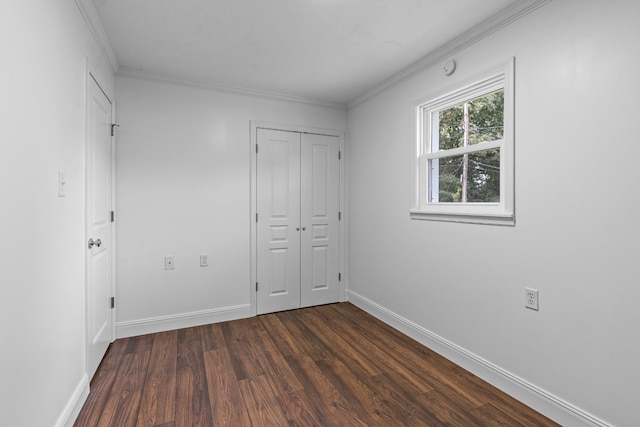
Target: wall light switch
x=204 y=260
x=62 y=181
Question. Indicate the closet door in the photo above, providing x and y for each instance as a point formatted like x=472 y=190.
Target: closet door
x=278 y=227
x=298 y=231
x=320 y=228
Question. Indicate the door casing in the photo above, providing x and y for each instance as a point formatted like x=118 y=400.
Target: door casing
x=255 y=125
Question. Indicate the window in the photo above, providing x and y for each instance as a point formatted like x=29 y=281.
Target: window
x=464 y=157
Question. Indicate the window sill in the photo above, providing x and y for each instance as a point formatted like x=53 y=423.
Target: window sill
x=486 y=219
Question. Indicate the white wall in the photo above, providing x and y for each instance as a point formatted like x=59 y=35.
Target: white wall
x=183 y=168
x=576 y=233
x=42 y=85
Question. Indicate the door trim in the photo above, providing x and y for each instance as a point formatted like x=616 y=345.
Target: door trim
x=255 y=125
x=91 y=73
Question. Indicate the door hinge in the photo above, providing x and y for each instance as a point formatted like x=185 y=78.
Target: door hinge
x=113 y=216
x=256 y=286
x=339 y=216
x=256 y=148
x=113 y=126
x=339 y=277
x=256 y=216
x=339 y=155
x=113 y=302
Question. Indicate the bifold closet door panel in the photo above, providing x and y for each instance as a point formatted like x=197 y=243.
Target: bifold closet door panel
x=320 y=228
x=278 y=227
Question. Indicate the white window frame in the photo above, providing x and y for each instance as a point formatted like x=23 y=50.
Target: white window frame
x=501 y=213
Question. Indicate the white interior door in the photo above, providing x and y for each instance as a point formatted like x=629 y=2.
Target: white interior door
x=98 y=226
x=278 y=228
x=320 y=206
x=298 y=234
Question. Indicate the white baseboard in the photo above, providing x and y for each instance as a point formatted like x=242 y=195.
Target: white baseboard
x=71 y=411
x=531 y=395
x=183 y=320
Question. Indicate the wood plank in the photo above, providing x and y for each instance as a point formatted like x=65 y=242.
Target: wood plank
x=306 y=340
x=280 y=335
x=299 y=411
x=228 y=407
x=159 y=393
x=274 y=366
x=123 y=403
x=354 y=390
x=192 y=394
x=262 y=406
x=445 y=411
x=139 y=344
x=489 y=415
x=400 y=406
x=212 y=337
x=377 y=352
x=346 y=352
x=245 y=362
x=324 y=395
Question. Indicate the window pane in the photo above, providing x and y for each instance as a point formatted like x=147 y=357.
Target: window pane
x=470 y=178
x=478 y=120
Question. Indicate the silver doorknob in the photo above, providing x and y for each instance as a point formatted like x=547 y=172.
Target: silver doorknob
x=98 y=242
x=304 y=228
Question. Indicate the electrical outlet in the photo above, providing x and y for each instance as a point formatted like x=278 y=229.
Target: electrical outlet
x=531 y=298
x=204 y=260
x=169 y=262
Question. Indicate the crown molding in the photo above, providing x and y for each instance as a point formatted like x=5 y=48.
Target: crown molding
x=168 y=78
x=471 y=37
x=90 y=15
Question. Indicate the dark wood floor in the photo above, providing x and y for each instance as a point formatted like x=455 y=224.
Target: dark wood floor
x=332 y=365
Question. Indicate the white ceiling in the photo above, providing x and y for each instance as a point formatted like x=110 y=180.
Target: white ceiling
x=327 y=50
